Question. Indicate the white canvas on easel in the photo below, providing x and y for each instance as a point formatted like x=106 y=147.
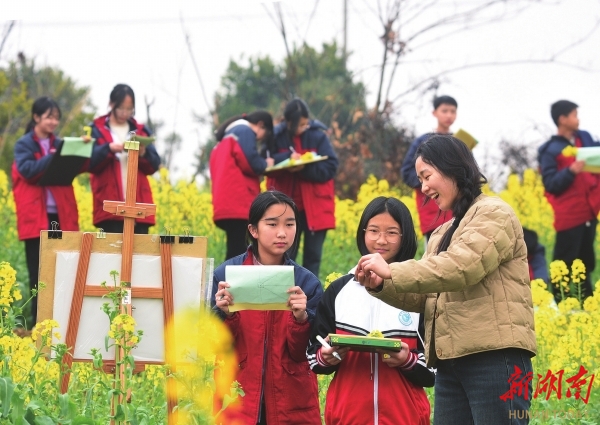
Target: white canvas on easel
x=191 y=279
x=146 y=272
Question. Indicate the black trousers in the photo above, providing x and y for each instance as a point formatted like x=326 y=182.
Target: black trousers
x=116 y=226
x=577 y=242
x=32 y=256
x=313 y=245
x=236 y=236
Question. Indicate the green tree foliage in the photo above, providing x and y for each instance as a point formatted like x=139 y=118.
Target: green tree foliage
x=21 y=82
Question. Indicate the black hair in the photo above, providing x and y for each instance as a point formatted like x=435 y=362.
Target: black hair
x=258 y=208
x=444 y=100
x=255 y=117
x=531 y=240
x=292 y=113
x=561 y=108
x=401 y=215
x=39 y=108
x=118 y=95
x=453 y=159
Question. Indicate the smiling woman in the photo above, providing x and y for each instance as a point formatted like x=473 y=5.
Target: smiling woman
x=473 y=287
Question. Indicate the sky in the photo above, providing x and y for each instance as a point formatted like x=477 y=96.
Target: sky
x=143 y=44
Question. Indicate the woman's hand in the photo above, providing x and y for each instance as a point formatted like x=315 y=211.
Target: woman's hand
x=224 y=298
x=142 y=150
x=297 y=303
x=86 y=139
x=270 y=162
x=371 y=270
x=116 y=147
x=327 y=353
x=393 y=358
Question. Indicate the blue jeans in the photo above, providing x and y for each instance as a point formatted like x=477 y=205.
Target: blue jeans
x=468 y=389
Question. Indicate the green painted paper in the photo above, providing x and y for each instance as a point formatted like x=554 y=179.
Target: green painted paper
x=75 y=146
x=259 y=287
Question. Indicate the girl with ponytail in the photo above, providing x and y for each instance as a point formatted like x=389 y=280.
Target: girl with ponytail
x=473 y=287
x=235 y=170
x=38 y=206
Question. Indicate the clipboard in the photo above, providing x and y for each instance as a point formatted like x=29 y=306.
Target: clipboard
x=62 y=170
x=365 y=343
x=466 y=138
x=286 y=163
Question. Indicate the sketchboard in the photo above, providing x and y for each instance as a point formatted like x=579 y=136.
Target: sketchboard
x=191 y=278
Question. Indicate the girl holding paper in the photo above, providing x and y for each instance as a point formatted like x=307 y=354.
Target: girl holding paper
x=384 y=387
x=38 y=206
x=473 y=287
x=235 y=167
x=108 y=165
x=271 y=345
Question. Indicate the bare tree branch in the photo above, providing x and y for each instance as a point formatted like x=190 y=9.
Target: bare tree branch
x=7 y=31
x=189 y=46
x=436 y=77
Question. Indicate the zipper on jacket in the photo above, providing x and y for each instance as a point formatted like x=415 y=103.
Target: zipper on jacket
x=262 y=383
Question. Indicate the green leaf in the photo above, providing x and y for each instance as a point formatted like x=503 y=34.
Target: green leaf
x=18 y=411
x=43 y=420
x=6 y=392
x=120 y=414
x=82 y=420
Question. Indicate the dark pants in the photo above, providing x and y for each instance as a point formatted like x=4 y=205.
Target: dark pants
x=116 y=226
x=577 y=242
x=236 y=236
x=313 y=245
x=32 y=256
x=468 y=389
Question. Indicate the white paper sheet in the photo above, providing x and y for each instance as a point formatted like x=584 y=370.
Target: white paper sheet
x=148 y=313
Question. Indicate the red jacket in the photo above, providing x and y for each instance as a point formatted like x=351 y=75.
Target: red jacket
x=30 y=199
x=364 y=389
x=430 y=215
x=106 y=179
x=271 y=350
x=575 y=198
x=314 y=180
x=235 y=167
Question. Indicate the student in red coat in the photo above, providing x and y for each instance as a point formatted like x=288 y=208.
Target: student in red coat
x=235 y=168
x=270 y=345
x=38 y=206
x=311 y=186
x=108 y=164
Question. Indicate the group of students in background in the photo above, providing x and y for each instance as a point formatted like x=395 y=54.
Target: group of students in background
x=37 y=207
x=238 y=160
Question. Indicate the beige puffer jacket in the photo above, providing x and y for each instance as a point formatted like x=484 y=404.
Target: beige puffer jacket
x=475 y=296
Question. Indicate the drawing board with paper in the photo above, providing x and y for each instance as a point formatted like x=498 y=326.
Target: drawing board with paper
x=60 y=267
x=259 y=287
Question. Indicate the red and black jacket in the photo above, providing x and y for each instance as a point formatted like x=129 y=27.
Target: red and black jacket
x=30 y=199
x=575 y=198
x=270 y=347
x=430 y=216
x=235 y=167
x=105 y=170
x=365 y=390
x=314 y=180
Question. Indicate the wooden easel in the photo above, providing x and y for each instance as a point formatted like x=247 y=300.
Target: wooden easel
x=55 y=242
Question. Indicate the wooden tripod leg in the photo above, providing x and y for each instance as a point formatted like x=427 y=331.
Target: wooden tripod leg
x=168 y=311
x=76 y=306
